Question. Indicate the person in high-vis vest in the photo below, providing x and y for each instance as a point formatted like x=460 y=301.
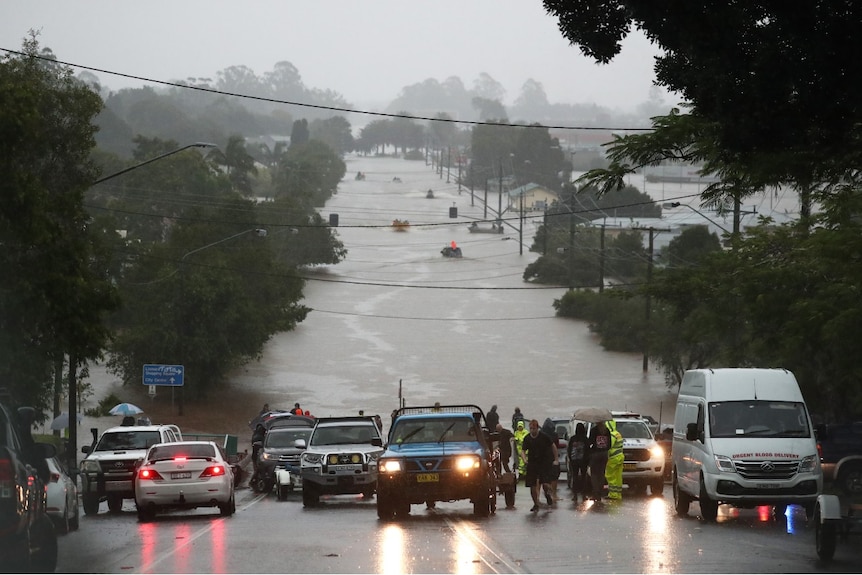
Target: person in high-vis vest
x=520 y=433
x=614 y=469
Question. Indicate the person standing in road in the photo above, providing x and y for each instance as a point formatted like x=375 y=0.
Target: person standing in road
x=516 y=417
x=549 y=429
x=540 y=451
x=600 y=443
x=579 y=460
x=492 y=418
x=296 y=409
x=506 y=440
x=520 y=433
x=614 y=469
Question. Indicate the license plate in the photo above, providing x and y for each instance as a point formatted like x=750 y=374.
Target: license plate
x=181 y=475
x=629 y=466
x=427 y=477
x=767 y=486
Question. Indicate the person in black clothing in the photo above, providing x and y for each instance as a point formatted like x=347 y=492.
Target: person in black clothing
x=506 y=439
x=257 y=442
x=600 y=443
x=492 y=418
x=579 y=460
x=517 y=416
x=541 y=451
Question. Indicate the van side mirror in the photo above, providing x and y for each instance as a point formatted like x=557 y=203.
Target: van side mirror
x=691 y=432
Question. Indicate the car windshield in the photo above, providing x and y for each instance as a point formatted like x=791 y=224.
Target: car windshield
x=286 y=437
x=182 y=450
x=120 y=440
x=343 y=434
x=634 y=430
x=440 y=430
x=758 y=419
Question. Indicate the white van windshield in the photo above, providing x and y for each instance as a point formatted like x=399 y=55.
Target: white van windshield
x=758 y=419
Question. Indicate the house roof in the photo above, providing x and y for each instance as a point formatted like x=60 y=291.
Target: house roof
x=527 y=188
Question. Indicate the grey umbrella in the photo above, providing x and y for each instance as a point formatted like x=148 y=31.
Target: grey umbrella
x=62 y=421
x=593 y=414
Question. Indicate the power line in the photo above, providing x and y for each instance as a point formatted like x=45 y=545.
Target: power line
x=318 y=106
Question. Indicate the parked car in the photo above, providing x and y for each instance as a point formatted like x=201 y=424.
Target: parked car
x=564 y=430
x=62 y=497
x=341 y=458
x=28 y=542
x=184 y=475
x=644 y=458
x=108 y=471
x=282 y=448
x=840 y=450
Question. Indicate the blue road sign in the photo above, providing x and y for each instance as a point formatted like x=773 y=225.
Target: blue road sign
x=158 y=374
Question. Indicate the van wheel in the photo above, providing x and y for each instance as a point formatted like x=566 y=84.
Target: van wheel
x=681 y=500
x=708 y=507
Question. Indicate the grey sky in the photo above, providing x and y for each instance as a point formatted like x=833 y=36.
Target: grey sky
x=367 y=50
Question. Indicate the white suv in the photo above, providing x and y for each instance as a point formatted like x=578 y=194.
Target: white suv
x=108 y=471
x=341 y=457
x=644 y=458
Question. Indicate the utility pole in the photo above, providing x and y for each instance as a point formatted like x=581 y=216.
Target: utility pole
x=500 y=195
x=652 y=232
x=602 y=260
x=448 y=162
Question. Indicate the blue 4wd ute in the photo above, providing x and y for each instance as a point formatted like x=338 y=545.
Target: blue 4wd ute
x=437 y=453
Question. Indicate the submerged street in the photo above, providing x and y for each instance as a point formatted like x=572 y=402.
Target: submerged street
x=396 y=313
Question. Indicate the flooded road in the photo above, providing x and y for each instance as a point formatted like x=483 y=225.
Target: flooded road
x=450 y=330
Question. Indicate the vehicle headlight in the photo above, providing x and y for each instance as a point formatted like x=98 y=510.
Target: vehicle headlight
x=656 y=451
x=267 y=456
x=390 y=465
x=808 y=464
x=725 y=464
x=312 y=458
x=90 y=466
x=467 y=462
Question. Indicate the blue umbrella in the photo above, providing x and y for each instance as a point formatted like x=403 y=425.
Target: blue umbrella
x=125 y=409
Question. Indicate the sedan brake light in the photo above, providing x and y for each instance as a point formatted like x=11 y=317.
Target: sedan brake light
x=148 y=473
x=214 y=471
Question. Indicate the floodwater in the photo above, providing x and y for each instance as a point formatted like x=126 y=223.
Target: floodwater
x=396 y=314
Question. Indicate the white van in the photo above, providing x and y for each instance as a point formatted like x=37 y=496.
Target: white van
x=743 y=437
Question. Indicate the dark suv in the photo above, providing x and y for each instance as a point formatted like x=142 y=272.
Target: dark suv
x=840 y=449
x=28 y=542
x=437 y=453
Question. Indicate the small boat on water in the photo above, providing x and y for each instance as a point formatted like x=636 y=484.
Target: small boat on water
x=430 y=194
x=400 y=225
x=451 y=251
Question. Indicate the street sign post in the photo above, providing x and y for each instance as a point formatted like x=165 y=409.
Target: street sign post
x=159 y=374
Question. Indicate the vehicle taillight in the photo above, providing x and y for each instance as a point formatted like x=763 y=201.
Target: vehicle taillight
x=148 y=473
x=213 y=471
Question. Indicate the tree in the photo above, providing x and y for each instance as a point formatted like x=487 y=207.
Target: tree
x=775 y=101
x=238 y=163
x=299 y=134
x=55 y=291
x=335 y=132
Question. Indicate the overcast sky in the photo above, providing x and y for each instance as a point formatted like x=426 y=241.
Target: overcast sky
x=366 y=50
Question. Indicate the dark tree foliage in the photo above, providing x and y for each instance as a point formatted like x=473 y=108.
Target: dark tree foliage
x=775 y=82
x=55 y=294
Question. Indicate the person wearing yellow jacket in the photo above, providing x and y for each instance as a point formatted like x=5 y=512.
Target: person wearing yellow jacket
x=520 y=433
x=614 y=469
